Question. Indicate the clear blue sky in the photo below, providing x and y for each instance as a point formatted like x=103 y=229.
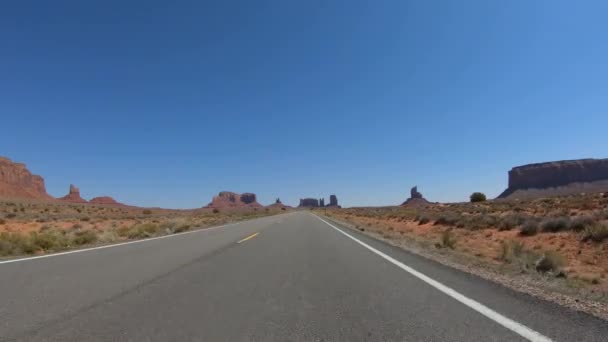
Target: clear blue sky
x=167 y=103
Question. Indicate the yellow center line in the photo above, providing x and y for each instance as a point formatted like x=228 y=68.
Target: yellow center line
x=248 y=238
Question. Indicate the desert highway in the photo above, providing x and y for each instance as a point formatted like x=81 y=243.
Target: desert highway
x=291 y=277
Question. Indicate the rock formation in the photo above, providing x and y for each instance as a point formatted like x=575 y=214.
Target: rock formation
x=557 y=178
x=416 y=198
x=414 y=193
x=16 y=181
x=309 y=203
x=333 y=201
x=278 y=205
x=322 y=202
x=104 y=200
x=73 y=196
x=227 y=199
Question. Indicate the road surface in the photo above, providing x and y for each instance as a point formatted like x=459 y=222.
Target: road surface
x=290 y=277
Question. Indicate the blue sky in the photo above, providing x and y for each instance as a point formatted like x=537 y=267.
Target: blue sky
x=167 y=103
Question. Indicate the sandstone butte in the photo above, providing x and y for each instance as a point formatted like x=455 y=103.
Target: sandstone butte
x=227 y=199
x=73 y=196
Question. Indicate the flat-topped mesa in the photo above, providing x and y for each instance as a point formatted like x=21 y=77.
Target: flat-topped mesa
x=309 y=203
x=227 y=199
x=104 y=200
x=561 y=177
x=16 y=181
x=416 y=198
x=73 y=196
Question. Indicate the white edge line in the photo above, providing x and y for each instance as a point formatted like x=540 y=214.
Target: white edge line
x=506 y=322
x=124 y=243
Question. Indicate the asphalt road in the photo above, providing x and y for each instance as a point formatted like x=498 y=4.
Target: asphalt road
x=298 y=279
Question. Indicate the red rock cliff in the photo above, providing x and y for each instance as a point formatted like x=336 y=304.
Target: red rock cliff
x=16 y=181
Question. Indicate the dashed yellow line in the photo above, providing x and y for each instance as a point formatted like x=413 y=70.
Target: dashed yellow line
x=248 y=238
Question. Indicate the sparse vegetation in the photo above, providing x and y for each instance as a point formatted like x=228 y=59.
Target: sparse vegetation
x=42 y=227
x=529 y=228
x=550 y=262
x=477 y=197
x=424 y=220
x=596 y=233
x=555 y=224
x=447 y=239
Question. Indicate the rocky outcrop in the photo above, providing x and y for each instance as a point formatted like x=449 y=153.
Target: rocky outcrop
x=556 y=177
x=104 y=200
x=416 y=198
x=278 y=205
x=333 y=201
x=73 y=196
x=227 y=199
x=322 y=202
x=16 y=181
x=414 y=193
x=309 y=203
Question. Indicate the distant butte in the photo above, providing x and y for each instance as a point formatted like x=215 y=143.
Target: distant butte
x=415 y=199
x=227 y=199
x=73 y=196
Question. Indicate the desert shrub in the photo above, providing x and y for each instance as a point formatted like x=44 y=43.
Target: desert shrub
x=216 y=210
x=550 y=261
x=511 y=221
x=2 y=221
x=424 y=220
x=447 y=239
x=139 y=231
x=49 y=240
x=596 y=233
x=447 y=220
x=579 y=223
x=510 y=250
x=10 y=215
x=76 y=226
x=85 y=219
x=529 y=228
x=181 y=228
x=283 y=208
x=15 y=243
x=147 y=211
x=517 y=247
x=555 y=224
x=84 y=237
x=478 y=197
